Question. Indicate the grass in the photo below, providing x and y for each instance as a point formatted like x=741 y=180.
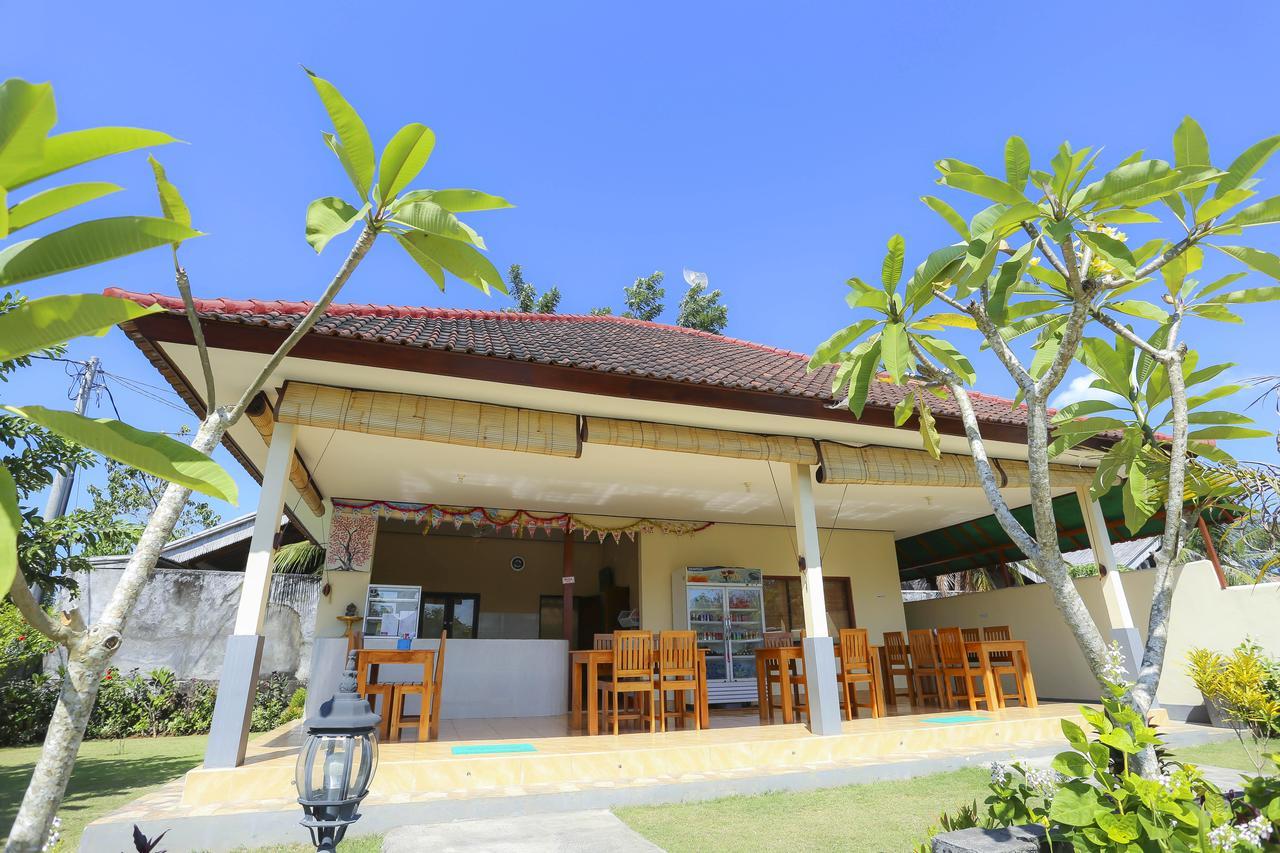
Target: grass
x=880 y=816
x=108 y=774
x=1222 y=753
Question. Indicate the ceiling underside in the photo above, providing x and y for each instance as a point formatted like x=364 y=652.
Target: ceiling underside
x=605 y=480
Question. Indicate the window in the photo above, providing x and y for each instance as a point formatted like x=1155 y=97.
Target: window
x=784 y=608
x=457 y=614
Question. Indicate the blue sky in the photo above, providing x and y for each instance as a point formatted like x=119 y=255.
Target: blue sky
x=775 y=147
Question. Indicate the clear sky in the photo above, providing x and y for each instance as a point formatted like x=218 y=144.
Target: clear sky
x=774 y=146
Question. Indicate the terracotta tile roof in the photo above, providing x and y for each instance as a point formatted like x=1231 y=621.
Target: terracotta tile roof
x=600 y=343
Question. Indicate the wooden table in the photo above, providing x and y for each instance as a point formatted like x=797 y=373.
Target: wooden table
x=367 y=659
x=1017 y=649
x=584 y=666
x=783 y=656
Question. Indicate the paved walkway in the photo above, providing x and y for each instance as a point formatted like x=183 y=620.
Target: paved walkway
x=595 y=831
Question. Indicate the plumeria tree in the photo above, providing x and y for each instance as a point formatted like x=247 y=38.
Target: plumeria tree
x=1044 y=276
x=424 y=222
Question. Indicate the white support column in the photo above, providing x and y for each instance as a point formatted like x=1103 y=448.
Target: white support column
x=1123 y=630
x=819 y=653
x=238 y=682
x=252 y=614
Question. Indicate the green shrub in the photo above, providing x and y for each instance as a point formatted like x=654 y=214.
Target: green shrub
x=1245 y=687
x=195 y=715
x=26 y=706
x=135 y=704
x=274 y=693
x=21 y=646
x=297 y=703
x=1090 y=799
x=967 y=817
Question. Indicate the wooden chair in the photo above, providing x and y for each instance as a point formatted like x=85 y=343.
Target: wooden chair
x=954 y=662
x=602 y=642
x=632 y=674
x=678 y=674
x=1003 y=664
x=437 y=688
x=404 y=689
x=370 y=686
x=924 y=666
x=971 y=635
x=774 y=640
x=796 y=675
x=899 y=663
x=856 y=668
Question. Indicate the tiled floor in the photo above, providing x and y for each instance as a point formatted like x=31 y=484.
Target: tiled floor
x=736 y=746
x=554 y=756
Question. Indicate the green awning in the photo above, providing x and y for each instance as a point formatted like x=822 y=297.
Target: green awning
x=982 y=543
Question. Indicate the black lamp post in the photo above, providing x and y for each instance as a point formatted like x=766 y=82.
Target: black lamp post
x=337 y=762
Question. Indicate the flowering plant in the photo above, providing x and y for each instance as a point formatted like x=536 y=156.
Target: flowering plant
x=1089 y=799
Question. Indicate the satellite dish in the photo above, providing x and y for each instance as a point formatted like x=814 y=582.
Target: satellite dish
x=695 y=278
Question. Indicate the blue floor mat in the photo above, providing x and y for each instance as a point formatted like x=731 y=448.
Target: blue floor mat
x=956 y=718
x=493 y=748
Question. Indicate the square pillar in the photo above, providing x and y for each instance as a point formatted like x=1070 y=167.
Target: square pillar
x=233 y=709
x=1123 y=631
x=819 y=652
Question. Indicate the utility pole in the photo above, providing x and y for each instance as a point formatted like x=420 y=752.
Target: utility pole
x=60 y=491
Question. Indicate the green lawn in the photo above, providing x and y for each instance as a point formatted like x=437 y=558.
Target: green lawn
x=880 y=816
x=108 y=774
x=1223 y=753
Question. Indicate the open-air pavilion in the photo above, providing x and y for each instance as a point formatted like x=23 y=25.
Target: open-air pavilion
x=522 y=483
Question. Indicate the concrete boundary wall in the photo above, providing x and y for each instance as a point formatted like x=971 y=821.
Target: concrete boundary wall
x=1202 y=615
x=184 y=617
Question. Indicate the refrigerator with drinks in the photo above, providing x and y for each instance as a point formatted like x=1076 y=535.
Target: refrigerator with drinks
x=725 y=606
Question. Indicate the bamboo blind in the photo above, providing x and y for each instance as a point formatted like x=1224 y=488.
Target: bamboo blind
x=842 y=464
x=259 y=414
x=430 y=419
x=709 y=442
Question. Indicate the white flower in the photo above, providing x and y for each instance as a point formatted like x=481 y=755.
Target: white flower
x=1044 y=780
x=1253 y=832
x=1000 y=773
x=1229 y=836
x=1114 y=669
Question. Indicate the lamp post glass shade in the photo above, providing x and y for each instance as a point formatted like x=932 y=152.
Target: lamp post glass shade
x=337 y=762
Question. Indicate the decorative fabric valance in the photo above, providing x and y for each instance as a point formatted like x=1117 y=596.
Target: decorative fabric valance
x=895 y=466
x=520 y=522
x=429 y=419
x=709 y=442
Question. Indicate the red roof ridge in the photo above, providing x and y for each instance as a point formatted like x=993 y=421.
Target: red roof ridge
x=279 y=306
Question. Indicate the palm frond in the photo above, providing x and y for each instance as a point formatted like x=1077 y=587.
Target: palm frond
x=298 y=558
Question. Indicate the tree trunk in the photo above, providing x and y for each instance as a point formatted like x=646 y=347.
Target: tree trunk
x=88 y=654
x=89 y=651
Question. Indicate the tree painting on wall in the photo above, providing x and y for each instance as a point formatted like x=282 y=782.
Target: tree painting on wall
x=351 y=541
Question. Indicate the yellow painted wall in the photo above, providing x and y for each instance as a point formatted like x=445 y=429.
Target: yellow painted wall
x=1205 y=615
x=1029 y=611
x=866 y=557
x=1202 y=615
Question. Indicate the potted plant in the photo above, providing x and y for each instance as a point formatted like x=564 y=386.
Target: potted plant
x=1241 y=692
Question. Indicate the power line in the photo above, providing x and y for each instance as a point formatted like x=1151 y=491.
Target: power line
x=143 y=479
x=160 y=388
